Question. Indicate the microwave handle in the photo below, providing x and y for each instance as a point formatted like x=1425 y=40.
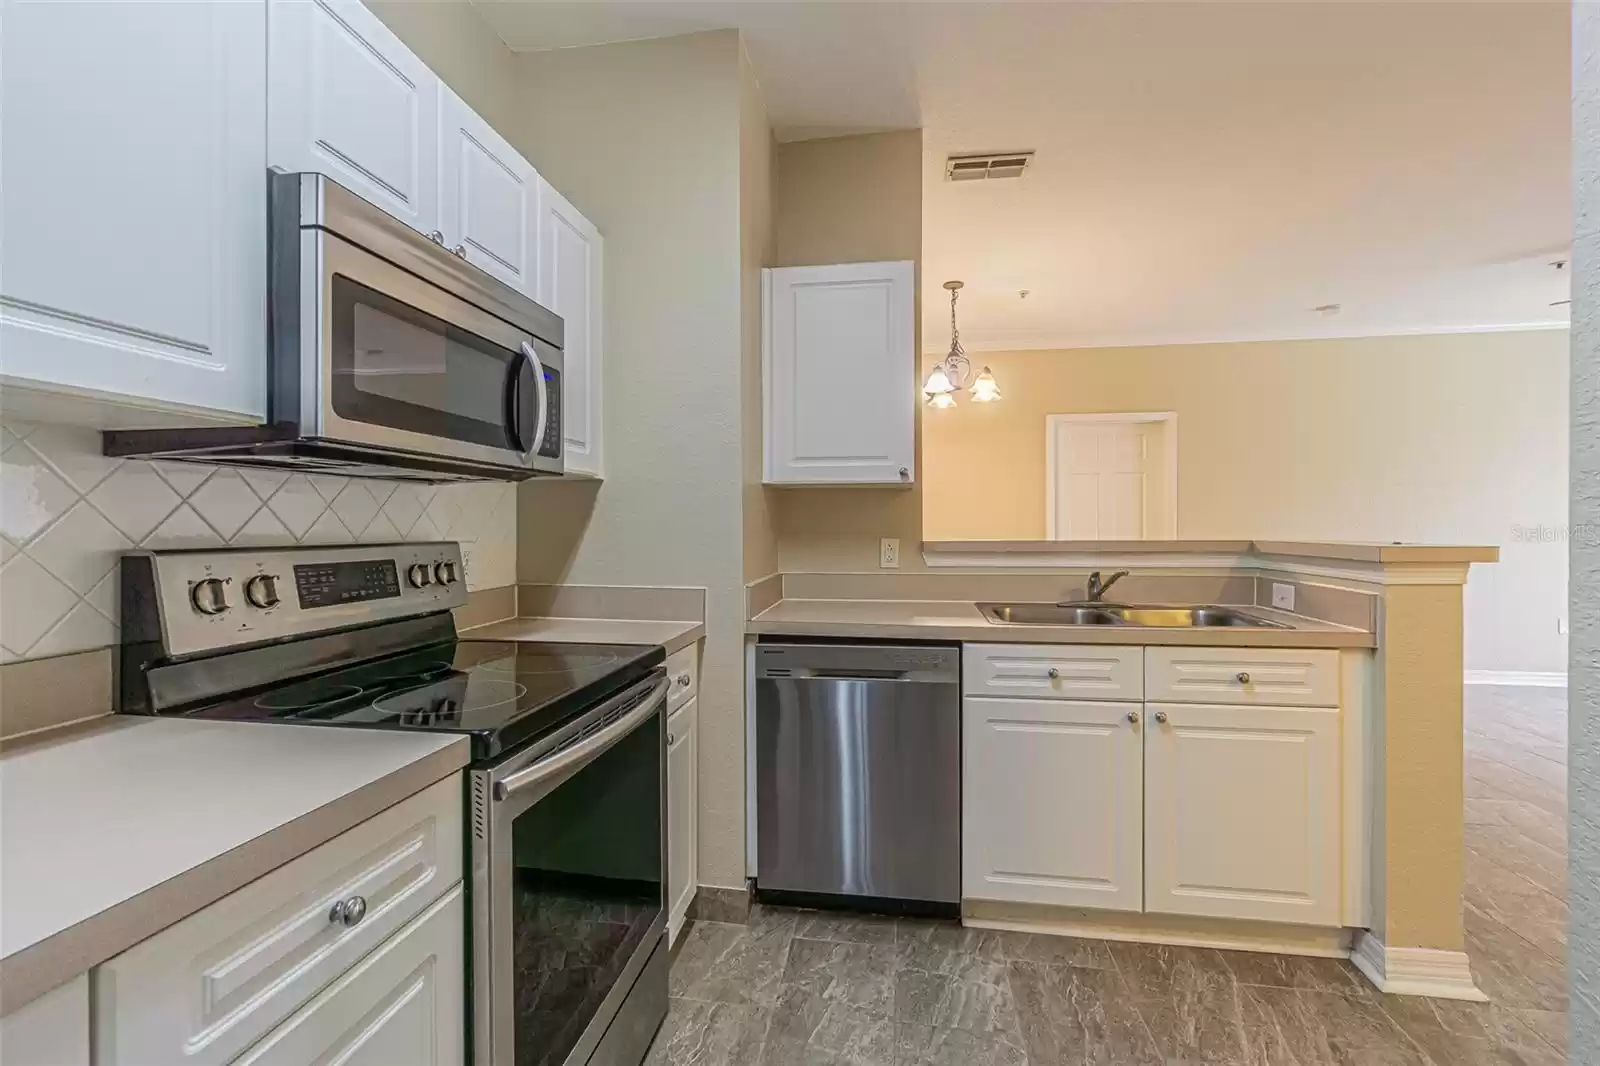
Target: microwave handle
x=544 y=396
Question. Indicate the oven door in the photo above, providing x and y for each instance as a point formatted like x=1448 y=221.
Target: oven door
x=405 y=364
x=568 y=904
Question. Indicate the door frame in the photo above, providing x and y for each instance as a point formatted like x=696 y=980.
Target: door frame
x=1170 y=421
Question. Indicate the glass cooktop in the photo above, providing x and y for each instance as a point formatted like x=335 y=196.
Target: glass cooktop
x=500 y=693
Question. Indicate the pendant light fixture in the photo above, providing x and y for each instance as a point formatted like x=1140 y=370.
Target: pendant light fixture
x=954 y=371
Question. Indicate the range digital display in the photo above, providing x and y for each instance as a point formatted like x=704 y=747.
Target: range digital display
x=330 y=584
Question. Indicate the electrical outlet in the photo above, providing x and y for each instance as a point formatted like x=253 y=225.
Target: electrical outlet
x=1282 y=596
x=889 y=554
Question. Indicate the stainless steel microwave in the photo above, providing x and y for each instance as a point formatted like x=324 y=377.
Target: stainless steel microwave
x=388 y=356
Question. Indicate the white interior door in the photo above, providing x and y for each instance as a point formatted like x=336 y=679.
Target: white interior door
x=1101 y=469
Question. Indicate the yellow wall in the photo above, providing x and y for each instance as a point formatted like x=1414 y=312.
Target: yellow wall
x=1458 y=438
x=848 y=200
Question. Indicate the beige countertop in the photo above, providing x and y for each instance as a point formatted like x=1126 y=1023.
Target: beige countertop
x=114 y=829
x=670 y=635
x=1344 y=551
x=956 y=620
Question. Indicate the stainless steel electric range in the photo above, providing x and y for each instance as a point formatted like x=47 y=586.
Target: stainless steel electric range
x=566 y=800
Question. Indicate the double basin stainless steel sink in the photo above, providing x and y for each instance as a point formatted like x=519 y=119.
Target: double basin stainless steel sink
x=1110 y=614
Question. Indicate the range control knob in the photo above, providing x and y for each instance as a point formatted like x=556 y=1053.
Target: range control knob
x=209 y=596
x=445 y=573
x=419 y=575
x=262 y=591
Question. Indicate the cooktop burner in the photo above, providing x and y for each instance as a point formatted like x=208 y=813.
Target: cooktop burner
x=500 y=693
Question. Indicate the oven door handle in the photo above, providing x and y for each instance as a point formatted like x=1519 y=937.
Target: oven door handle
x=584 y=750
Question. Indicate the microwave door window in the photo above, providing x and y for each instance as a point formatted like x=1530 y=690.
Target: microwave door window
x=398 y=367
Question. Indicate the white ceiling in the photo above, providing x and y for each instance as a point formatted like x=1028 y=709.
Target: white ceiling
x=1205 y=171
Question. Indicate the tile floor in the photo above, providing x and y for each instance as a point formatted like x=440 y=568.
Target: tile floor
x=796 y=988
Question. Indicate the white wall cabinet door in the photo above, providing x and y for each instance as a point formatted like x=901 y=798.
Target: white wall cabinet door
x=682 y=799
x=348 y=100
x=133 y=268
x=1051 y=802
x=1242 y=812
x=402 y=1005
x=571 y=279
x=839 y=374
x=488 y=197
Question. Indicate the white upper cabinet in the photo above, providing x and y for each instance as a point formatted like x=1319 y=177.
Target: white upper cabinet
x=488 y=197
x=570 y=279
x=348 y=100
x=839 y=374
x=133 y=203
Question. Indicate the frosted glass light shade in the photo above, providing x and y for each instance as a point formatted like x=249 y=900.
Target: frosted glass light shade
x=985 y=388
x=941 y=400
x=938 y=383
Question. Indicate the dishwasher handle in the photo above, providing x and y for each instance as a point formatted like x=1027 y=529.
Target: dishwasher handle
x=860 y=674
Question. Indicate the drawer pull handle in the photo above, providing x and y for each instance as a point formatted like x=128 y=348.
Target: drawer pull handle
x=1054 y=673
x=1244 y=678
x=683 y=680
x=1133 y=716
x=1161 y=716
x=349 y=912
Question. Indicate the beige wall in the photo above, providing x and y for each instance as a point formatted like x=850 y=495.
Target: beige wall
x=757 y=243
x=1457 y=438
x=645 y=138
x=843 y=200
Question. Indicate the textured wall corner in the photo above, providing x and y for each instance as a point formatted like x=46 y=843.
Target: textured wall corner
x=1584 y=693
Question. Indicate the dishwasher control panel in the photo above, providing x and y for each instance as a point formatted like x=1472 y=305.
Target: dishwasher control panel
x=867 y=662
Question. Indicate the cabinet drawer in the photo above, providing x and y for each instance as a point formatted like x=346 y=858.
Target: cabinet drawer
x=202 y=991
x=1053 y=671
x=683 y=676
x=403 y=1005
x=1284 y=677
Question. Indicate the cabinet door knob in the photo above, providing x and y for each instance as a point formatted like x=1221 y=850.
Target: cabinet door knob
x=905 y=474
x=437 y=237
x=1161 y=716
x=671 y=739
x=1054 y=673
x=348 y=912
x=460 y=250
x=683 y=680
x=1133 y=716
x=1244 y=678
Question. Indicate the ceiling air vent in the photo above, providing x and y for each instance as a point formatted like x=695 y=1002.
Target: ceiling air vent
x=988 y=165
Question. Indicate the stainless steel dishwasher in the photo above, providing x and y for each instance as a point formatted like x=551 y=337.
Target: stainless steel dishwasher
x=858 y=774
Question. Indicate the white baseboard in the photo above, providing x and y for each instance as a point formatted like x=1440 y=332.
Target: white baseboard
x=1415 y=971
x=1535 y=678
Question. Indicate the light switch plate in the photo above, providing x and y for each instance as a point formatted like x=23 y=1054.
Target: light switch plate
x=1282 y=596
x=888 y=554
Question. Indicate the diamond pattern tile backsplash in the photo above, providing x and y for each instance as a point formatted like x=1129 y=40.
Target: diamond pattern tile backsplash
x=66 y=511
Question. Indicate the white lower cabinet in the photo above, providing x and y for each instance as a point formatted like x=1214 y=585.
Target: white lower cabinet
x=1241 y=812
x=1223 y=809
x=207 y=990
x=53 y=1030
x=1052 y=801
x=682 y=798
x=402 y=1005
